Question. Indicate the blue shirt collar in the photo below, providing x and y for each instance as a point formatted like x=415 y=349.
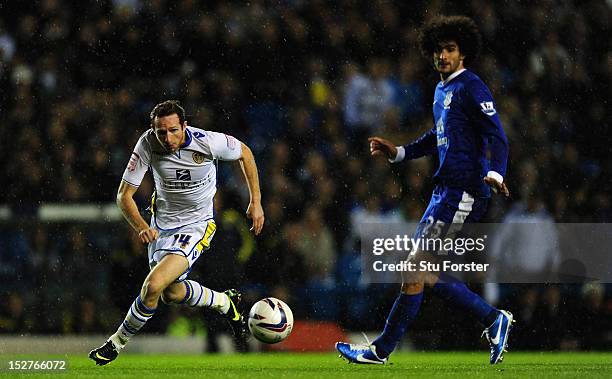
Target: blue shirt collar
x=188 y=139
x=453 y=76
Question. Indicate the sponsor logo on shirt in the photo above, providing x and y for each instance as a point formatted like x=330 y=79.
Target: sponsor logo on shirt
x=488 y=108
x=441 y=138
x=183 y=174
x=178 y=185
x=134 y=158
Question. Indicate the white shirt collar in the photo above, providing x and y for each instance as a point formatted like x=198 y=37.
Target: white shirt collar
x=453 y=76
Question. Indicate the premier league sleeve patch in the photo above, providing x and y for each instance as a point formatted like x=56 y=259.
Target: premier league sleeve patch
x=488 y=108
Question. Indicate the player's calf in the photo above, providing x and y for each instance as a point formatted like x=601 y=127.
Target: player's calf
x=174 y=293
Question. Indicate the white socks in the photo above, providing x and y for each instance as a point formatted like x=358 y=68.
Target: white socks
x=135 y=319
x=200 y=296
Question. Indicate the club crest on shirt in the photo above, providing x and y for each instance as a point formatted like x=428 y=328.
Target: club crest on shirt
x=448 y=99
x=198 y=157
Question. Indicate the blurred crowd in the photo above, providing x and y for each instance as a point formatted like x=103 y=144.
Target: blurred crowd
x=303 y=83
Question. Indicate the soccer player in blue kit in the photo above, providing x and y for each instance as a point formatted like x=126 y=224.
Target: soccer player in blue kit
x=466 y=128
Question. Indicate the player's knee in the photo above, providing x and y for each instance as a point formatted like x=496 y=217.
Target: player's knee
x=412 y=288
x=153 y=288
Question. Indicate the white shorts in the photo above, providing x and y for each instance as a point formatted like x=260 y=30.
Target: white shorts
x=189 y=241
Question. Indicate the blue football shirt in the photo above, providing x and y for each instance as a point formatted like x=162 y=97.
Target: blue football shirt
x=467 y=135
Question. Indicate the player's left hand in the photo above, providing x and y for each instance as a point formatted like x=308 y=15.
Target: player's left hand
x=496 y=186
x=255 y=212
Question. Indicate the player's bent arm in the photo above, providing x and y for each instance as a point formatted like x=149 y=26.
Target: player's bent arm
x=427 y=144
x=424 y=145
x=129 y=209
x=249 y=169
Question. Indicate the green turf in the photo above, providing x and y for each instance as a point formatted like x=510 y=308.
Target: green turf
x=328 y=365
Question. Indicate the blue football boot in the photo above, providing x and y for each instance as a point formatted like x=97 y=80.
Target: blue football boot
x=363 y=353
x=497 y=335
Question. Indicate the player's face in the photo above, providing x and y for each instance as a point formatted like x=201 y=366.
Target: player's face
x=447 y=58
x=169 y=132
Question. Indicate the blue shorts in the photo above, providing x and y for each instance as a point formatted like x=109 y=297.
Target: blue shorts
x=451 y=206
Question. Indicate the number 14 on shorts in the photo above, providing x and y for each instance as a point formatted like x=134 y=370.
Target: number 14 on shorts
x=182 y=240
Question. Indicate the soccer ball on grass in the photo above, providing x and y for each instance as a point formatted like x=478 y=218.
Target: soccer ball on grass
x=270 y=320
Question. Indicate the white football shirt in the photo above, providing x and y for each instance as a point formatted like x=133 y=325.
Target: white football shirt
x=186 y=180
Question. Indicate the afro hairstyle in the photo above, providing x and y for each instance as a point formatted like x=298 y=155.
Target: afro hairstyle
x=461 y=29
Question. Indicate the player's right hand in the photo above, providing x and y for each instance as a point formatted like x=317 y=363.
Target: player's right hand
x=148 y=235
x=255 y=212
x=383 y=147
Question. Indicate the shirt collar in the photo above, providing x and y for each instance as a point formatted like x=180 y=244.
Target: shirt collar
x=188 y=138
x=453 y=76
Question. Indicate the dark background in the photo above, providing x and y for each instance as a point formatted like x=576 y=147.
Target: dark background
x=303 y=84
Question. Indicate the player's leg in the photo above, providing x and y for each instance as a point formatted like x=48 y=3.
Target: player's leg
x=143 y=308
x=192 y=242
x=468 y=209
x=497 y=322
x=403 y=313
x=197 y=240
x=161 y=276
x=404 y=309
x=457 y=293
x=462 y=208
x=194 y=294
x=406 y=306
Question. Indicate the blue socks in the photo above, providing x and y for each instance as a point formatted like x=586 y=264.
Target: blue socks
x=406 y=308
x=457 y=293
x=403 y=312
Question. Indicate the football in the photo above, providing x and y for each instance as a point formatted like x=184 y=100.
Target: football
x=270 y=320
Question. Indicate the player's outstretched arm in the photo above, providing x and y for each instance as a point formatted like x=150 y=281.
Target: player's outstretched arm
x=125 y=202
x=424 y=145
x=249 y=169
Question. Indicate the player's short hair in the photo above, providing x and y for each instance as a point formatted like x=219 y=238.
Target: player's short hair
x=168 y=108
x=461 y=29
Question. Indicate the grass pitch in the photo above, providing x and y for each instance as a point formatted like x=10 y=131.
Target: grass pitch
x=328 y=365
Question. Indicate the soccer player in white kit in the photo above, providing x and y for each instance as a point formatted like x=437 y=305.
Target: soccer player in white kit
x=182 y=161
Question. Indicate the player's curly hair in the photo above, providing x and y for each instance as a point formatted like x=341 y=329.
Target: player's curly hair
x=168 y=108
x=461 y=29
